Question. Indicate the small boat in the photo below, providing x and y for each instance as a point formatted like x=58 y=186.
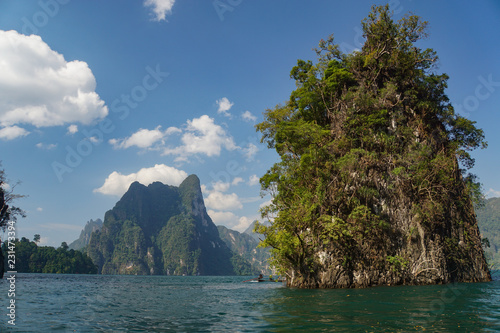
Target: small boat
x=261 y=279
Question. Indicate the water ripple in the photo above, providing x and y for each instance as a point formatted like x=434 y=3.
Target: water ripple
x=76 y=303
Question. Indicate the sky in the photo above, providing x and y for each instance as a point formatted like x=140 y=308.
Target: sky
x=97 y=94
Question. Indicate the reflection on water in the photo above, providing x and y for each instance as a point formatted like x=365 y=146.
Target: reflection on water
x=67 y=303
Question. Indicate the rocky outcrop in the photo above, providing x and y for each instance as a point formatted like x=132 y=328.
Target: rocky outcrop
x=160 y=230
x=246 y=246
x=84 y=239
x=2 y=268
x=408 y=252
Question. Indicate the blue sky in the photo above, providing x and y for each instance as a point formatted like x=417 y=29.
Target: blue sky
x=97 y=94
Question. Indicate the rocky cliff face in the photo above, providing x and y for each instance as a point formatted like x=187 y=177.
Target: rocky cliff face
x=373 y=186
x=84 y=239
x=160 y=230
x=408 y=253
x=244 y=245
x=2 y=268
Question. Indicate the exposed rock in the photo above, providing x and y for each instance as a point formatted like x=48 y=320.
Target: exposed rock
x=245 y=246
x=84 y=238
x=160 y=229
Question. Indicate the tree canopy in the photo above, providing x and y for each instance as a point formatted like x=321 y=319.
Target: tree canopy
x=7 y=196
x=359 y=130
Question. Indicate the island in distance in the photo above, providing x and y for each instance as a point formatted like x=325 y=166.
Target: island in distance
x=165 y=230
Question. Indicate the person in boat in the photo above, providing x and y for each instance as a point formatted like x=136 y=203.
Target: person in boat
x=260 y=277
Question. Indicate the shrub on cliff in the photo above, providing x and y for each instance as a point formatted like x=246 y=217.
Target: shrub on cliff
x=373 y=185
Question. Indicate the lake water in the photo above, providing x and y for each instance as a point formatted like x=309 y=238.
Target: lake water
x=95 y=303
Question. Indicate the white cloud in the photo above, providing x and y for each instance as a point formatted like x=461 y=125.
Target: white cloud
x=117 y=184
x=221 y=201
x=223 y=218
x=266 y=203
x=491 y=193
x=220 y=186
x=230 y=220
x=144 y=138
x=46 y=146
x=202 y=136
x=12 y=132
x=204 y=189
x=243 y=224
x=39 y=87
x=248 y=116
x=160 y=8
x=237 y=180
x=72 y=129
x=39 y=209
x=44 y=241
x=250 y=152
x=224 y=106
x=253 y=180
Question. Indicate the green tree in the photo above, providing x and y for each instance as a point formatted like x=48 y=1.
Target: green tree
x=64 y=246
x=361 y=131
x=36 y=238
x=31 y=258
x=7 y=196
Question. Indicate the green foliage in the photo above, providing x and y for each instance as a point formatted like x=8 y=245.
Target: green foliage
x=358 y=123
x=398 y=263
x=247 y=258
x=31 y=258
x=160 y=229
x=7 y=197
x=488 y=217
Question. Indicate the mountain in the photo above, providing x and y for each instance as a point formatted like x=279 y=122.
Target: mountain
x=245 y=245
x=372 y=186
x=160 y=230
x=489 y=225
x=249 y=231
x=84 y=238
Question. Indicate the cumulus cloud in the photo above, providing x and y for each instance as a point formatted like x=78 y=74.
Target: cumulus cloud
x=160 y=8
x=72 y=129
x=46 y=146
x=243 y=223
x=220 y=186
x=117 y=184
x=224 y=106
x=250 y=152
x=144 y=138
x=248 y=116
x=237 y=180
x=221 y=201
x=222 y=218
x=230 y=220
x=253 y=180
x=202 y=136
x=40 y=88
x=491 y=193
x=12 y=132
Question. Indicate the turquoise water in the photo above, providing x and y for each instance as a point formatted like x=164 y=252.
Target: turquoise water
x=78 y=303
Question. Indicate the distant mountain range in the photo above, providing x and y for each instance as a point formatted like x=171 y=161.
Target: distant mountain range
x=245 y=245
x=489 y=225
x=165 y=230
